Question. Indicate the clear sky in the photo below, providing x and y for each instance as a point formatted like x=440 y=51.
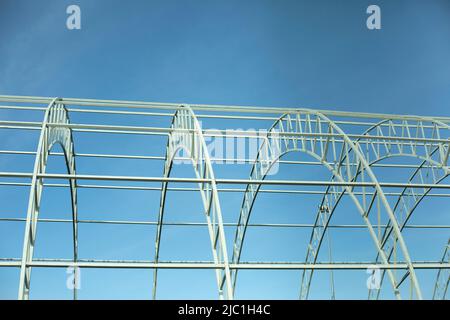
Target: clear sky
x=316 y=54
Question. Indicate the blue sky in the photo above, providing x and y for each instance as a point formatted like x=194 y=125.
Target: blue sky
x=266 y=53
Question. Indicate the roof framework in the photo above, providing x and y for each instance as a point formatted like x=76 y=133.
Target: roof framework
x=353 y=147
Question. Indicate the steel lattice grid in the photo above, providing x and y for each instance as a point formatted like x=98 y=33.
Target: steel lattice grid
x=346 y=183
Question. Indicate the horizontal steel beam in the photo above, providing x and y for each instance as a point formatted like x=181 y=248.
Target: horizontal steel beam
x=229 y=224
x=214 y=108
x=221 y=133
x=54 y=263
x=205 y=116
x=227 y=190
x=213 y=159
x=225 y=181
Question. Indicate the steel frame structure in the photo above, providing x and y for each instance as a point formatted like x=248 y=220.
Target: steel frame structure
x=350 y=145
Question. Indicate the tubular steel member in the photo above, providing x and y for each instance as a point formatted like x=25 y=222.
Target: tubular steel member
x=193 y=143
x=309 y=121
x=49 y=136
x=191 y=265
x=436 y=161
x=217 y=108
x=443 y=277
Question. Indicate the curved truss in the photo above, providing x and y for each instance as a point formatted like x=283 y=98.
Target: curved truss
x=56 y=113
x=429 y=172
x=345 y=166
x=186 y=134
x=432 y=170
x=443 y=277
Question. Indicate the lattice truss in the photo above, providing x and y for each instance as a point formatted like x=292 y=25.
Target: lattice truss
x=379 y=167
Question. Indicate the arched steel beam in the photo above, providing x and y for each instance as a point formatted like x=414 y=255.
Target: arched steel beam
x=443 y=277
x=405 y=208
x=186 y=134
x=374 y=153
x=321 y=150
x=55 y=113
x=431 y=171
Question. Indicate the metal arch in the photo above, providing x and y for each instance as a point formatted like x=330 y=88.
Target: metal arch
x=443 y=277
x=407 y=207
x=321 y=150
x=373 y=155
x=187 y=135
x=55 y=113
